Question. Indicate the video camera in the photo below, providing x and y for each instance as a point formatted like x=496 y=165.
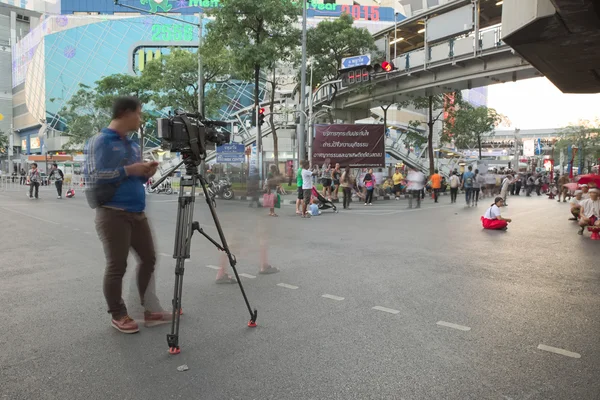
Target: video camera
x=192 y=135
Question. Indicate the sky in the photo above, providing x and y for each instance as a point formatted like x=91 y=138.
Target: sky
x=537 y=104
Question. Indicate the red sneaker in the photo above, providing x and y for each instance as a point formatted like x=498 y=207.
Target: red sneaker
x=157 y=318
x=125 y=324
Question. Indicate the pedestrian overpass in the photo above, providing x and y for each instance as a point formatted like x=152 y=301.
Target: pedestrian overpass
x=452 y=65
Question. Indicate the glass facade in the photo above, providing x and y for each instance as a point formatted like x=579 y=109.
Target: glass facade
x=89 y=39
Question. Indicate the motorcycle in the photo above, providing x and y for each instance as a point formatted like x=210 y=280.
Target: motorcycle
x=222 y=188
x=164 y=187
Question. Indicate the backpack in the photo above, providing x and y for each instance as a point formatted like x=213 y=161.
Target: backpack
x=469 y=181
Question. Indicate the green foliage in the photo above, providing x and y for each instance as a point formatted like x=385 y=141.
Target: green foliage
x=585 y=135
x=258 y=33
x=4 y=142
x=468 y=125
x=332 y=40
x=173 y=80
x=83 y=116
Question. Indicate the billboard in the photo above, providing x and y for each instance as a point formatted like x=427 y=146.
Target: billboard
x=450 y=24
x=528 y=148
x=360 y=145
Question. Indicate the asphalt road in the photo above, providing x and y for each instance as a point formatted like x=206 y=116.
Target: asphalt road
x=419 y=304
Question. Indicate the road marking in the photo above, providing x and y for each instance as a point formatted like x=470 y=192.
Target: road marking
x=212 y=267
x=387 y=310
x=247 y=275
x=285 y=285
x=88 y=233
x=454 y=326
x=30 y=216
x=332 y=297
x=556 y=350
x=165 y=255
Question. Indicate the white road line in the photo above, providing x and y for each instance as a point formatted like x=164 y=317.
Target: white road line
x=285 y=285
x=165 y=255
x=332 y=297
x=247 y=275
x=454 y=326
x=385 y=309
x=212 y=267
x=76 y=229
x=30 y=216
x=556 y=350
x=88 y=233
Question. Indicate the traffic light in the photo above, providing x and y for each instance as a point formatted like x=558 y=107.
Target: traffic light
x=261 y=116
x=385 y=66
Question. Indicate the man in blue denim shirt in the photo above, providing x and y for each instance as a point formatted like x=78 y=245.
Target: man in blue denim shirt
x=112 y=159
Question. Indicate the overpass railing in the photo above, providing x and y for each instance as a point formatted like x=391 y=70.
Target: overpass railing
x=490 y=38
x=451 y=50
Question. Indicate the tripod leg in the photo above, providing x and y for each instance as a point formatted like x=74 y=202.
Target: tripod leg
x=173 y=337
x=181 y=252
x=231 y=257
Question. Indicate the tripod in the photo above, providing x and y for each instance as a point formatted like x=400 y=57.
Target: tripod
x=184 y=230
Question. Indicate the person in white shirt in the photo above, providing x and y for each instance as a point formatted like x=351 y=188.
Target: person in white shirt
x=492 y=218
x=307 y=175
x=416 y=183
x=590 y=211
x=575 y=204
x=504 y=191
x=585 y=191
x=454 y=184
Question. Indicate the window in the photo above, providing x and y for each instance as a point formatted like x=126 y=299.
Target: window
x=23 y=18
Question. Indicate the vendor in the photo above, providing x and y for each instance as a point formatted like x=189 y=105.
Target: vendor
x=576 y=205
x=590 y=211
x=492 y=218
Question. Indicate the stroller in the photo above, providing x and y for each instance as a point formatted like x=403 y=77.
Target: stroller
x=324 y=204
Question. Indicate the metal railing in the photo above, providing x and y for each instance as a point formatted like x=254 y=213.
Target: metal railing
x=447 y=52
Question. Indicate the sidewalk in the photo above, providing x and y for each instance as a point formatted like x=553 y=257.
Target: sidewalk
x=290 y=199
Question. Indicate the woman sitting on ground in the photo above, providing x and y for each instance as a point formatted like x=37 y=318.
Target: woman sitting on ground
x=492 y=218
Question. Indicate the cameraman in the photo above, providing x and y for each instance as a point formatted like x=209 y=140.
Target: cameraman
x=113 y=162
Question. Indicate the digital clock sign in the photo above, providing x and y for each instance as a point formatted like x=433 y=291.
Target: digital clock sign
x=172 y=32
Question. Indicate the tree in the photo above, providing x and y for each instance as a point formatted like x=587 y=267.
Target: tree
x=585 y=135
x=470 y=124
x=433 y=104
x=258 y=34
x=332 y=40
x=4 y=141
x=82 y=116
x=173 y=79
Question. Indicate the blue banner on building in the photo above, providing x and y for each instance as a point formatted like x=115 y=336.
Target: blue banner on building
x=232 y=153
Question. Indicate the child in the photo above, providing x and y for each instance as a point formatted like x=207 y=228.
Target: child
x=314 y=208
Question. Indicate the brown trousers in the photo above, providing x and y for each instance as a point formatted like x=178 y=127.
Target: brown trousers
x=119 y=231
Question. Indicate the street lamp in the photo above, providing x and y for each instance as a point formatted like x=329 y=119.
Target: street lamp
x=301 y=127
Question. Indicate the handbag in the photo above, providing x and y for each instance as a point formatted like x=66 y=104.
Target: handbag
x=269 y=200
x=278 y=201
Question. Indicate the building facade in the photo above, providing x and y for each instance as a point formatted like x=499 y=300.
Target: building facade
x=77 y=42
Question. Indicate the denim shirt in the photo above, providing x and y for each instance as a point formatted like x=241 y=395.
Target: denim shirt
x=106 y=155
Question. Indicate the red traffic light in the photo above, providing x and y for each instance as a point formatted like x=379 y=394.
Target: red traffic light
x=387 y=66
x=261 y=111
